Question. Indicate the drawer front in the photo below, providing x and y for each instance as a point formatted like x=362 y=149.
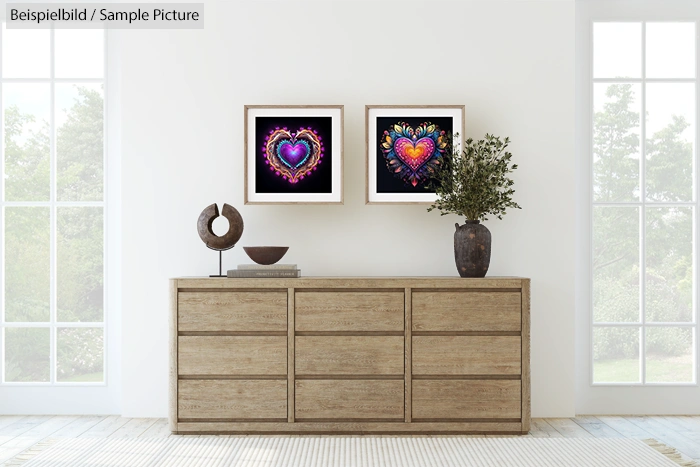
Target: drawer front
x=349 y=311
x=466 y=355
x=349 y=355
x=349 y=399
x=232 y=355
x=232 y=311
x=451 y=399
x=238 y=399
x=466 y=311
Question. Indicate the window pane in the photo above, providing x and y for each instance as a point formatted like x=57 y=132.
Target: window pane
x=26 y=53
x=79 y=264
x=616 y=136
x=615 y=264
x=79 y=53
x=80 y=355
x=79 y=142
x=669 y=264
x=670 y=50
x=27 y=354
x=26 y=141
x=27 y=276
x=670 y=140
x=616 y=355
x=669 y=355
x=617 y=50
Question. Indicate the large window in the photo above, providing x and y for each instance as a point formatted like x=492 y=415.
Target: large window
x=52 y=221
x=644 y=203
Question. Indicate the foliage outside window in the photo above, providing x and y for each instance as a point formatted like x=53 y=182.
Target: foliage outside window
x=53 y=174
x=644 y=203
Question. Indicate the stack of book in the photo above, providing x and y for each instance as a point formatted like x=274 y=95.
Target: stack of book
x=261 y=270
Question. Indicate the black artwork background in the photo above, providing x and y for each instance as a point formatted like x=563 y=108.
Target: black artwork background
x=321 y=181
x=386 y=181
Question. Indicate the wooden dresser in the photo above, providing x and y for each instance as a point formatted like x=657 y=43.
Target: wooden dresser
x=350 y=355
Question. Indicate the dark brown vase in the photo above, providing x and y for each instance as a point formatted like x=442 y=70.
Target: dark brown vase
x=472 y=249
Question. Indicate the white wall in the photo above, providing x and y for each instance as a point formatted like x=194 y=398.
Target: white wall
x=510 y=63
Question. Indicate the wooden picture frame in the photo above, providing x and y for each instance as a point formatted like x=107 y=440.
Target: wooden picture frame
x=396 y=177
x=293 y=154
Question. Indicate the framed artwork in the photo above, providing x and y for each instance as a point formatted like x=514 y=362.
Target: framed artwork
x=404 y=144
x=293 y=154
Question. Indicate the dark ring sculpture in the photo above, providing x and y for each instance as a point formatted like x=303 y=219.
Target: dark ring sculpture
x=235 y=227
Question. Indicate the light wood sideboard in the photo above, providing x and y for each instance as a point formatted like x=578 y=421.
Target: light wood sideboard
x=389 y=355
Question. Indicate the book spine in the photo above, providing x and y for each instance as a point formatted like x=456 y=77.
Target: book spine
x=267 y=267
x=271 y=274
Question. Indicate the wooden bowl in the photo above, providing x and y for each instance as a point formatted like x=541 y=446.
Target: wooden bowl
x=265 y=254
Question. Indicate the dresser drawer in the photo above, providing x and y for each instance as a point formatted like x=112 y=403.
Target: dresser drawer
x=454 y=399
x=349 y=399
x=240 y=399
x=466 y=311
x=349 y=311
x=232 y=355
x=232 y=311
x=466 y=355
x=349 y=355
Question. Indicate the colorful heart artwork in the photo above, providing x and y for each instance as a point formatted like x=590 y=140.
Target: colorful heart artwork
x=412 y=154
x=293 y=155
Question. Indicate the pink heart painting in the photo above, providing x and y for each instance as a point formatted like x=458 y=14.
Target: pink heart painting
x=412 y=154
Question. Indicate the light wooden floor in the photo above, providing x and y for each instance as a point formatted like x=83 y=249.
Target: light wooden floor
x=18 y=433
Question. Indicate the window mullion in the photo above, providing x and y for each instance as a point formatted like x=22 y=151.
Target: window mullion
x=53 y=214
x=54 y=80
x=696 y=230
x=105 y=223
x=2 y=225
x=642 y=211
x=48 y=204
x=591 y=204
x=675 y=324
x=665 y=204
x=645 y=80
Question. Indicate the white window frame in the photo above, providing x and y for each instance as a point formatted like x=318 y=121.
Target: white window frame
x=75 y=397
x=642 y=397
x=642 y=204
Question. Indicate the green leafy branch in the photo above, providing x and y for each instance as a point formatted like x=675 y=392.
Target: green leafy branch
x=474 y=182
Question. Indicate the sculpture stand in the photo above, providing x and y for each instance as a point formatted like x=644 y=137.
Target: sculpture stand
x=221 y=274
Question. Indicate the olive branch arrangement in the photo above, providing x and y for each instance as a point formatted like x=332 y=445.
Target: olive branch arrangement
x=474 y=182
